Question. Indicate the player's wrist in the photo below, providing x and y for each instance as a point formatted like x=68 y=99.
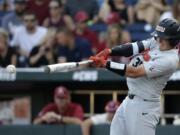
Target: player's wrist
x=118 y=68
x=105 y=53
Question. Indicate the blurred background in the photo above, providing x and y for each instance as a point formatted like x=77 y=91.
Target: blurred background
x=35 y=33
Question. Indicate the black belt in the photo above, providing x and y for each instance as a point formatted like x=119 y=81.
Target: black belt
x=131 y=96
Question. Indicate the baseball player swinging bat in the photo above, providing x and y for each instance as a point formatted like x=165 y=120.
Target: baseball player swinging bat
x=65 y=66
x=152 y=63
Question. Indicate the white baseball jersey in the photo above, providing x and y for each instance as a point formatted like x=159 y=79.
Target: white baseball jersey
x=159 y=66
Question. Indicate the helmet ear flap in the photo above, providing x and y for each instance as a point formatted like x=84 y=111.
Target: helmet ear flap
x=173 y=42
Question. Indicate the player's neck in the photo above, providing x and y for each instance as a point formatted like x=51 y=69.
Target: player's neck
x=165 y=47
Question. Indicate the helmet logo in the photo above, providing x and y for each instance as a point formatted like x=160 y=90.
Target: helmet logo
x=160 y=28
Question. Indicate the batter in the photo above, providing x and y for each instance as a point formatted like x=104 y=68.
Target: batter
x=153 y=61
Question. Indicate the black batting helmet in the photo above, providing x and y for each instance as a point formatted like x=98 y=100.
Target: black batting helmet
x=168 y=29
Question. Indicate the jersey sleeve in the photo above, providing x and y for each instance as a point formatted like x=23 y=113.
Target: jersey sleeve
x=99 y=119
x=149 y=44
x=132 y=49
x=160 y=66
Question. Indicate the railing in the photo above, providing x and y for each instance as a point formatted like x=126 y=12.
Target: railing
x=73 y=130
x=90 y=74
x=114 y=95
x=101 y=78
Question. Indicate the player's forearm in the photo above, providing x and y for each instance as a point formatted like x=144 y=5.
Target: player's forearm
x=71 y=120
x=135 y=72
x=127 y=50
x=126 y=70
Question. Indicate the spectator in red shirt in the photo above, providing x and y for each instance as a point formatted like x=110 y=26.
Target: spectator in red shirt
x=40 y=8
x=61 y=111
x=82 y=30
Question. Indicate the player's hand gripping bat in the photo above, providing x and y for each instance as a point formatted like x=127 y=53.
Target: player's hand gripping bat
x=73 y=65
x=65 y=66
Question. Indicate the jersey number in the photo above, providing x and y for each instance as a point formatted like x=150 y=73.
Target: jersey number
x=137 y=62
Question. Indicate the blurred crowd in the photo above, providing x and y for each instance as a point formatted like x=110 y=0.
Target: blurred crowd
x=34 y=33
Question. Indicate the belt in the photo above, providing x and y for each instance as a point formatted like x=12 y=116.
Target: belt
x=131 y=96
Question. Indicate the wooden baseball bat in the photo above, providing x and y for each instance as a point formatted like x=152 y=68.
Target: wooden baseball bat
x=65 y=66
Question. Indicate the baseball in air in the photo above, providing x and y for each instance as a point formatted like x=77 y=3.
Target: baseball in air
x=11 y=68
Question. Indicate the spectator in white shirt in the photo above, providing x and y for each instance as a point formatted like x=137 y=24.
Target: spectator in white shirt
x=28 y=36
x=98 y=119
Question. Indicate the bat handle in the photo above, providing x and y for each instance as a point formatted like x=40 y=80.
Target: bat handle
x=86 y=62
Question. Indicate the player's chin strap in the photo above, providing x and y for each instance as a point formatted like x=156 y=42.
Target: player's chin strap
x=117 y=68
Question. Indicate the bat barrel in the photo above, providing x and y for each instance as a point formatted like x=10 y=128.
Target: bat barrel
x=60 y=67
x=65 y=66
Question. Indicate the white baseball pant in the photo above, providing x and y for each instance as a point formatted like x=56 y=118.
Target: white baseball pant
x=136 y=117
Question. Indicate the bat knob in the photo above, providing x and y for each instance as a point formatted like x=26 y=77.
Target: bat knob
x=47 y=70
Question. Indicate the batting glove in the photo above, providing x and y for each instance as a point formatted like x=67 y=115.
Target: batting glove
x=98 y=61
x=105 y=53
